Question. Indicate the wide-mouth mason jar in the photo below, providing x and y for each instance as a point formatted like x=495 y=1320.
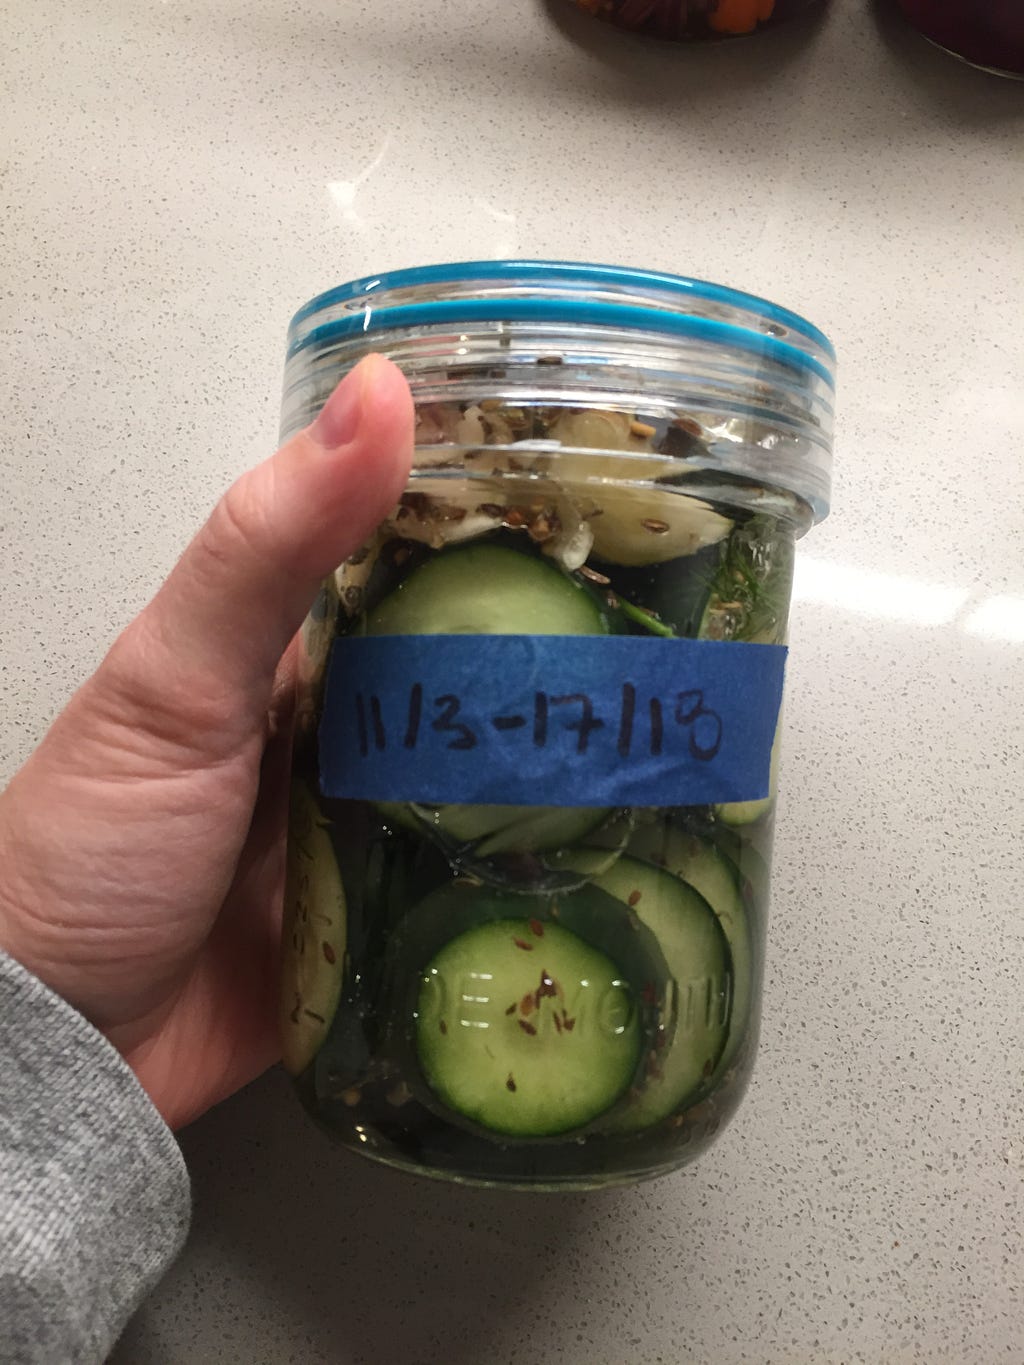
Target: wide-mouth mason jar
x=535 y=747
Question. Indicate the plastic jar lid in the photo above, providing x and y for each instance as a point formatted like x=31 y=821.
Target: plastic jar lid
x=768 y=371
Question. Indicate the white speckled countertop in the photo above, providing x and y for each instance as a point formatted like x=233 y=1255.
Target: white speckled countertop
x=177 y=178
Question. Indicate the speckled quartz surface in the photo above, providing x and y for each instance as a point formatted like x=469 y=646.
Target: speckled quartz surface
x=177 y=178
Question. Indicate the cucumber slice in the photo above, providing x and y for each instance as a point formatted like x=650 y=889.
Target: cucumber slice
x=513 y=848
x=743 y=812
x=314 y=934
x=752 y=862
x=480 y=590
x=497 y=829
x=698 y=863
x=654 y=524
x=697 y=1012
x=524 y=1033
x=534 y=828
x=488 y=590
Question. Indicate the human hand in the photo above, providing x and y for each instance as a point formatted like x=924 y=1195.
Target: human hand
x=141 y=845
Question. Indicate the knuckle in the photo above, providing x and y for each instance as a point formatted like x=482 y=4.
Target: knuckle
x=236 y=532
x=144 y=687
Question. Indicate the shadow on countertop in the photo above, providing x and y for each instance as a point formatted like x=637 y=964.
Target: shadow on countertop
x=302 y=1252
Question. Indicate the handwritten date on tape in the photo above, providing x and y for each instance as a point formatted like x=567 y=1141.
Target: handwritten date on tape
x=549 y=720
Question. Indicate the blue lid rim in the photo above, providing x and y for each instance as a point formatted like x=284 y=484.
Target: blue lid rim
x=547 y=310
x=566 y=272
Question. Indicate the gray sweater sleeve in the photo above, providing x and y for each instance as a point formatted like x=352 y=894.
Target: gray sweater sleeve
x=94 y=1195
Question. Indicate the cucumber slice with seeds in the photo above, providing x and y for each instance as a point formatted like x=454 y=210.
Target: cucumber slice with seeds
x=524 y=1033
x=696 y=1014
x=314 y=934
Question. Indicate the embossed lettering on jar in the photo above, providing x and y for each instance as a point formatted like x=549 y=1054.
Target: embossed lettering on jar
x=535 y=756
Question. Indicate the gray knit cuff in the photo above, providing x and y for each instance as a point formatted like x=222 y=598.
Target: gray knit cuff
x=94 y=1194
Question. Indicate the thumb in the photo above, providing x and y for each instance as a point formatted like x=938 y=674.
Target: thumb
x=208 y=644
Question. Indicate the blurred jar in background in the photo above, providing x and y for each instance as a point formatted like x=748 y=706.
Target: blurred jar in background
x=695 y=20
x=986 y=33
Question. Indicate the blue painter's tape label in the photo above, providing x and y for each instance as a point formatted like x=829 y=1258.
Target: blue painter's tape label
x=549 y=720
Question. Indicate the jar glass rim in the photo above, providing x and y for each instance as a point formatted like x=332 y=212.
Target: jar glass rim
x=577 y=312
x=569 y=275
x=759 y=379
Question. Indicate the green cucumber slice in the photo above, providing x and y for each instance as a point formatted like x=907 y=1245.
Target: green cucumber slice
x=497 y=829
x=751 y=860
x=488 y=590
x=699 y=863
x=743 y=812
x=696 y=1014
x=480 y=590
x=524 y=1033
x=313 y=934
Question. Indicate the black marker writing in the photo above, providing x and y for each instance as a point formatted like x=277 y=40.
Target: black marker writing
x=626 y=719
x=364 y=742
x=691 y=711
x=412 y=732
x=656 y=726
x=450 y=706
x=587 y=722
x=379 y=736
x=703 y=725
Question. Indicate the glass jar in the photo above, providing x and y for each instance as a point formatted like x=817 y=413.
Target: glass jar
x=533 y=795
x=985 y=33
x=695 y=20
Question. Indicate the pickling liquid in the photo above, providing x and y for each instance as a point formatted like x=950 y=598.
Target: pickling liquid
x=560 y=997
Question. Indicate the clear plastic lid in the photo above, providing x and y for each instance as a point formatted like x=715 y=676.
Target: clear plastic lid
x=758 y=378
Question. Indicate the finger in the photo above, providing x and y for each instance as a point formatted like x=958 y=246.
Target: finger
x=217 y=629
